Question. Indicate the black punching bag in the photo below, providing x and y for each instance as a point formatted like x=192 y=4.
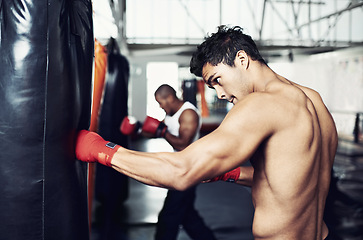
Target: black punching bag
x=46 y=54
x=190 y=90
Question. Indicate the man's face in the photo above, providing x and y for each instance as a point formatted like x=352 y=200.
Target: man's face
x=228 y=81
x=164 y=104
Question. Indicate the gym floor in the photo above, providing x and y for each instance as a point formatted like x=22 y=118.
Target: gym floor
x=227 y=208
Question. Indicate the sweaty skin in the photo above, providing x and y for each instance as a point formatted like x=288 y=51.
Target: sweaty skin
x=291 y=178
x=286 y=132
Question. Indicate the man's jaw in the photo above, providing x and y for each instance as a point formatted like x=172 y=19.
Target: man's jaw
x=232 y=100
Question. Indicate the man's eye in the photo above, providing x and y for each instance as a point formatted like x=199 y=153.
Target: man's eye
x=217 y=80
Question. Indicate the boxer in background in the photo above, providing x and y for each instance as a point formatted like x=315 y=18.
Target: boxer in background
x=283 y=128
x=182 y=124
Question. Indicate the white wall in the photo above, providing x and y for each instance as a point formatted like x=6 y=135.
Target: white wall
x=337 y=76
x=137 y=90
x=141 y=94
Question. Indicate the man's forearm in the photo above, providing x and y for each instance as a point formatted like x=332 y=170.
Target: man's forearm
x=173 y=170
x=246 y=176
x=242 y=175
x=154 y=169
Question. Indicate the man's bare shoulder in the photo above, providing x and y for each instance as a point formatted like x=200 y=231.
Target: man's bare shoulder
x=253 y=114
x=254 y=103
x=269 y=103
x=270 y=111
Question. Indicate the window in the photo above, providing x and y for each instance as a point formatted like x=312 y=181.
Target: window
x=159 y=73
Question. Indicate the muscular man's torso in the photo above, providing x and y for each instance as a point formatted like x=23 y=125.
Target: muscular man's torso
x=292 y=166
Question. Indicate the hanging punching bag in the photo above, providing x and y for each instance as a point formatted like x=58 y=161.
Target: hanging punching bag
x=46 y=53
x=190 y=91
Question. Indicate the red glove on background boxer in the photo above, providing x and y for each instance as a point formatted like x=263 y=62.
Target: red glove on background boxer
x=154 y=127
x=231 y=176
x=91 y=147
x=130 y=126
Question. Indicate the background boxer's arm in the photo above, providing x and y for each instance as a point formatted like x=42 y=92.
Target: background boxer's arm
x=188 y=121
x=153 y=127
x=226 y=148
x=130 y=126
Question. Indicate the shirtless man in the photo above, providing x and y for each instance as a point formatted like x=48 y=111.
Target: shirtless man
x=283 y=128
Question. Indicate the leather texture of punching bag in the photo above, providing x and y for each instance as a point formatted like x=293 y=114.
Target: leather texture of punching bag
x=190 y=90
x=46 y=55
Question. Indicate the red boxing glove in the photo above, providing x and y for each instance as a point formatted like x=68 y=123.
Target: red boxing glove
x=154 y=126
x=91 y=147
x=231 y=176
x=129 y=125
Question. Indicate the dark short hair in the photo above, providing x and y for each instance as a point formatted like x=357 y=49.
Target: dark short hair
x=222 y=47
x=165 y=90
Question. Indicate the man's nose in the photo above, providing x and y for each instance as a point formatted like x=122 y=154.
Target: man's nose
x=220 y=92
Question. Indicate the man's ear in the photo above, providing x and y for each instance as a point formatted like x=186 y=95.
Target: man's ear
x=242 y=59
x=169 y=98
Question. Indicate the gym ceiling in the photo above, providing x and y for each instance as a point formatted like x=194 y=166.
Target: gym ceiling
x=281 y=28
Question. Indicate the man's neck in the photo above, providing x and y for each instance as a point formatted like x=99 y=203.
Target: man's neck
x=178 y=105
x=263 y=75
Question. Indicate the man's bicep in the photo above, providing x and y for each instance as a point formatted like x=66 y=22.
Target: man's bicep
x=188 y=124
x=233 y=147
x=211 y=156
x=230 y=145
